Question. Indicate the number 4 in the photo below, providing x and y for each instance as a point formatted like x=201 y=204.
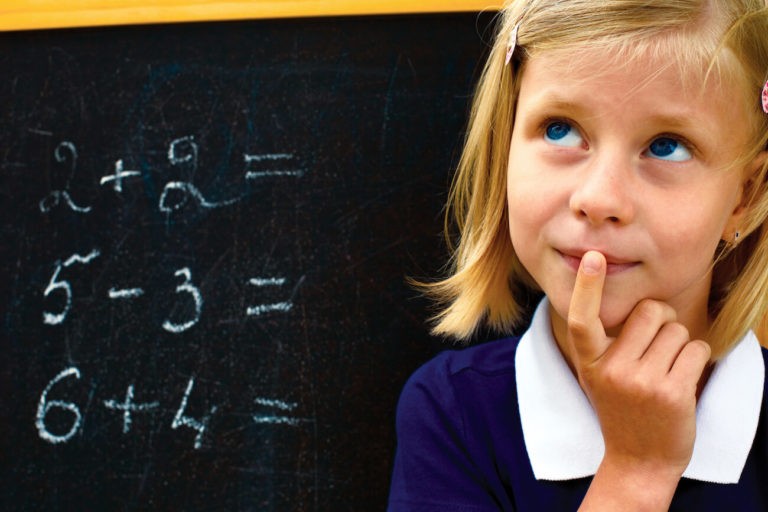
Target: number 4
x=181 y=420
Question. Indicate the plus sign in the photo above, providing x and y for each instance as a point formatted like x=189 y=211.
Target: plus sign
x=118 y=177
x=128 y=407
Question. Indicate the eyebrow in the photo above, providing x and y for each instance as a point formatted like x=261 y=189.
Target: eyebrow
x=676 y=122
x=682 y=119
x=550 y=101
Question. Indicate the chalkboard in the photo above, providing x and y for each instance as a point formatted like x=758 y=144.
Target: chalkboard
x=206 y=229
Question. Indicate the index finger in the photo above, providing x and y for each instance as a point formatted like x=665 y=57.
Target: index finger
x=585 y=330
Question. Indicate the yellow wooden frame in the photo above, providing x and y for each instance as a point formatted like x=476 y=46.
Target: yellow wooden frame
x=37 y=14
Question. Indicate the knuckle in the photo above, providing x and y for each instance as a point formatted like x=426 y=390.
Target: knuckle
x=649 y=310
x=670 y=397
x=616 y=377
x=643 y=386
x=698 y=349
x=678 y=331
x=664 y=394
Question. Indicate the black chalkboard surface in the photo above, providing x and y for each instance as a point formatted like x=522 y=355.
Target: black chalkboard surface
x=206 y=229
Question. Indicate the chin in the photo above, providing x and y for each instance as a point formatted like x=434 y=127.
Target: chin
x=613 y=319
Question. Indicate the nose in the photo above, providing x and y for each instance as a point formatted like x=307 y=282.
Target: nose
x=603 y=193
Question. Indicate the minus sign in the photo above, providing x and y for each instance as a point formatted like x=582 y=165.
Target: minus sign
x=125 y=294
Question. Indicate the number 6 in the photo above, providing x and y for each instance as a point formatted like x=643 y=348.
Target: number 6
x=45 y=405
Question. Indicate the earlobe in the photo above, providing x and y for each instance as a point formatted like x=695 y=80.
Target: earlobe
x=732 y=233
x=733 y=229
x=731 y=236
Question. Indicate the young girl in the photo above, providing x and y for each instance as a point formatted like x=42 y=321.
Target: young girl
x=616 y=166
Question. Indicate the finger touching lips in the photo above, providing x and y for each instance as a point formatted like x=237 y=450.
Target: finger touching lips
x=585 y=330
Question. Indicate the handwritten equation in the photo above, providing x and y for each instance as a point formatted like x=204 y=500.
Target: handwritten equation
x=267 y=411
x=59 y=294
x=175 y=194
x=62 y=287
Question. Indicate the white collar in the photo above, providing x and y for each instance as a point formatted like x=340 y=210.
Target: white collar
x=562 y=434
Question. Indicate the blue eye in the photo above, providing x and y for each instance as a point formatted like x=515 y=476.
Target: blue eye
x=667 y=148
x=561 y=133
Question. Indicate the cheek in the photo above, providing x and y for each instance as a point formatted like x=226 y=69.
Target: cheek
x=691 y=233
x=533 y=204
x=524 y=200
x=685 y=249
x=525 y=220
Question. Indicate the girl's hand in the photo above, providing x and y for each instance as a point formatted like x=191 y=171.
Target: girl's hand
x=643 y=387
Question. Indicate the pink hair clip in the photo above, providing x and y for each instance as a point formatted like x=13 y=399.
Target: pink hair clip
x=765 y=97
x=512 y=44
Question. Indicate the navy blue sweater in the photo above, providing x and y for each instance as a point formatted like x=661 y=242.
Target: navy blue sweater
x=460 y=446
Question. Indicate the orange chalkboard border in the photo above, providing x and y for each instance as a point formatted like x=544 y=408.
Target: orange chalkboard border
x=39 y=14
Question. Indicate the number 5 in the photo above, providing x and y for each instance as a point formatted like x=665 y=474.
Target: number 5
x=54 y=284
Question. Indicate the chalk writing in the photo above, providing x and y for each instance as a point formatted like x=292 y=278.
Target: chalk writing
x=181 y=143
x=45 y=405
x=128 y=406
x=267 y=281
x=55 y=284
x=185 y=287
x=126 y=293
x=268 y=308
x=276 y=419
x=184 y=315
x=261 y=309
x=61 y=156
x=118 y=177
x=52 y=200
x=181 y=420
x=176 y=193
x=188 y=287
x=187 y=190
x=264 y=163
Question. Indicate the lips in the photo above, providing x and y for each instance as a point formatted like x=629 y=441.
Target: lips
x=616 y=265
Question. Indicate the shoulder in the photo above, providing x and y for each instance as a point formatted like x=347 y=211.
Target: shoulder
x=453 y=418
x=439 y=386
x=455 y=415
x=487 y=358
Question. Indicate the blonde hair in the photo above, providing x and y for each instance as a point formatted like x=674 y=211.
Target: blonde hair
x=487 y=285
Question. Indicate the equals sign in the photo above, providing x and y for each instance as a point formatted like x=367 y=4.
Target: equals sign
x=277 y=419
x=271 y=165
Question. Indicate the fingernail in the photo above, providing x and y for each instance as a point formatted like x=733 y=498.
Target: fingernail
x=592 y=262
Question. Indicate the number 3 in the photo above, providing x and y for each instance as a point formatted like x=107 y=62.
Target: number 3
x=188 y=287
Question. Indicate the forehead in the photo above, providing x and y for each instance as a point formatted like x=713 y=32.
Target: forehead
x=654 y=82
x=643 y=68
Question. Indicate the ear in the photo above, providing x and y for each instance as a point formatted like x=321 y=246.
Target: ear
x=736 y=221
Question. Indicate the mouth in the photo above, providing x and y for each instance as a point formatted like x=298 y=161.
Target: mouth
x=616 y=265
